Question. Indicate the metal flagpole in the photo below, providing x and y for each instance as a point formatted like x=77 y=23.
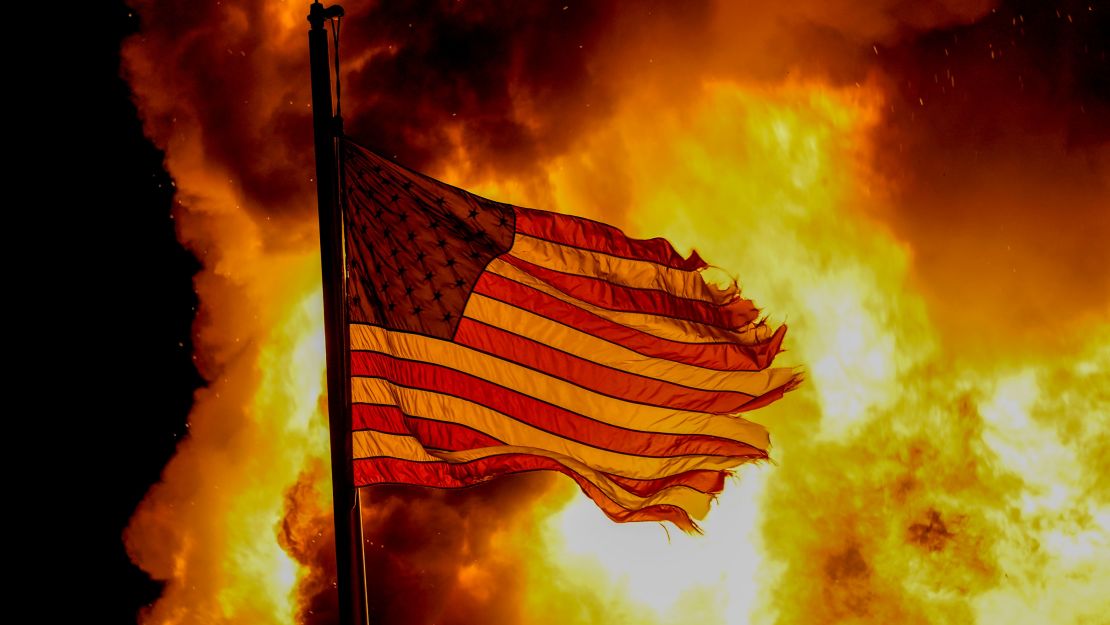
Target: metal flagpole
x=348 y=521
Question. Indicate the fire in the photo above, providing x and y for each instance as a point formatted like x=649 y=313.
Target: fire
x=911 y=485
x=913 y=480
x=213 y=528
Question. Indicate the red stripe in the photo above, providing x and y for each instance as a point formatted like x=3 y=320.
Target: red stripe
x=541 y=415
x=434 y=434
x=388 y=419
x=430 y=433
x=701 y=480
x=598 y=237
x=719 y=356
x=370 y=471
x=589 y=374
x=730 y=316
x=773 y=395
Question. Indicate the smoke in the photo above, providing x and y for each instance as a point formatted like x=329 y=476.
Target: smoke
x=506 y=86
x=993 y=141
x=224 y=90
x=998 y=136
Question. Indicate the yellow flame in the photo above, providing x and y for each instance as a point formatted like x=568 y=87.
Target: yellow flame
x=1046 y=425
x=253 y=431
x=911 y=485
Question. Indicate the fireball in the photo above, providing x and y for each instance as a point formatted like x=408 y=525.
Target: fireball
x=917 y=188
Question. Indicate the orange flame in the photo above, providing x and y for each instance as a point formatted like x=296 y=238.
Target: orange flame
x=914 y=481
x=911 y=484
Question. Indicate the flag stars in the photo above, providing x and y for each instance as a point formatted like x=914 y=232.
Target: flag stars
x=439 y=236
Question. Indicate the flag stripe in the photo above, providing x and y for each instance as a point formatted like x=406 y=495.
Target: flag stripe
x=451 y=409
x=545 y=331
x=390 y=419
x=373 y=445
x=553 y=390
x=635 y=274
x=701 y=480
x=660 y=326
x=538 y=414
x=593 y=374
x=447 y=475
x=604 y=294
x=595 y=236
x=434 y=434
x=711 y=355
x=369 y=444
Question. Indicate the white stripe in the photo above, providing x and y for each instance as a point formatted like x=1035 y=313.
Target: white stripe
x=554 y=390
x=695 y=503
x=451 y=409
x=377 y=444
x=584 y=345
x=657 y=325
x=632 y=273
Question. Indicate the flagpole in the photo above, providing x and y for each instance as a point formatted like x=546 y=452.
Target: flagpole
x=350 y=577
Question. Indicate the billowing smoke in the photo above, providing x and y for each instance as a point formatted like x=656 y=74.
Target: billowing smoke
x=999 y=138
x=991 y=144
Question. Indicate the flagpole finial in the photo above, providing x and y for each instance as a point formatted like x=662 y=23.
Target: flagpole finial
x=317 y=13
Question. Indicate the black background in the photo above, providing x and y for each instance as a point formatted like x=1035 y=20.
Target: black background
x=138 y=289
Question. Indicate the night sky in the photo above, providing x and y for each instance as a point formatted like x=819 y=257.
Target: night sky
x=144 y=278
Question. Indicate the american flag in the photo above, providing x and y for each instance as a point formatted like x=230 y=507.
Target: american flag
x=489 y=339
